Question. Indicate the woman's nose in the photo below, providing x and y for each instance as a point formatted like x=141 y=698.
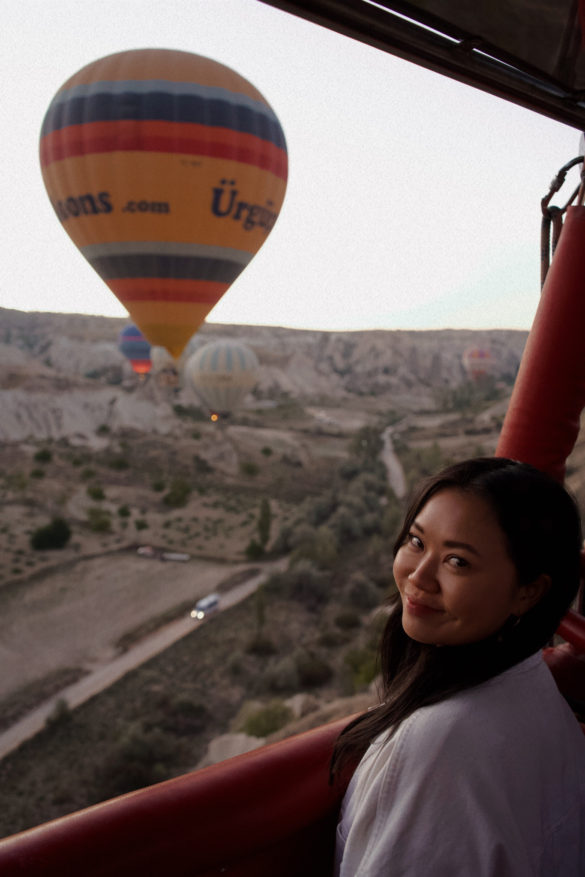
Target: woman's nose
x=424 y=575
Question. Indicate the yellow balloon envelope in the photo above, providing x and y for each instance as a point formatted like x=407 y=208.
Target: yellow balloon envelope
x=168 y=171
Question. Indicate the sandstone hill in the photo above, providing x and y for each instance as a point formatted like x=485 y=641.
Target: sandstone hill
x=62 y=376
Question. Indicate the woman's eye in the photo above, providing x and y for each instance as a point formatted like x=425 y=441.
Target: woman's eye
x=457 y=562
x=414 y=540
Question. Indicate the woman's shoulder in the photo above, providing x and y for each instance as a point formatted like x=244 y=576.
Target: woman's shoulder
x=522 y=703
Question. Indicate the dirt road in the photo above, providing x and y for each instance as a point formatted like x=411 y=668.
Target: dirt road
x=393 y=466
x=112 y=670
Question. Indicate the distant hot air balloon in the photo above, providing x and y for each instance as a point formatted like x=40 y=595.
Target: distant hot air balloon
x=222 y=373
x=477 y=362
x=168 y=171
x=136 y=349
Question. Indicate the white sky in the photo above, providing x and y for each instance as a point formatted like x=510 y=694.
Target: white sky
x=413 y=201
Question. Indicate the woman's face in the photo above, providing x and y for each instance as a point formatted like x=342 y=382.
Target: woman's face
x=457 y=582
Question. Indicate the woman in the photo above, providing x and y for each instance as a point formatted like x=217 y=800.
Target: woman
x=474 y=765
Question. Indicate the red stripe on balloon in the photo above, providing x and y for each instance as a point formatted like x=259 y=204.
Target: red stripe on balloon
x=68 y=143
x=134 y=289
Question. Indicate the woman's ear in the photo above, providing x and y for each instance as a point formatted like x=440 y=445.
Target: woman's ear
x=531 y=594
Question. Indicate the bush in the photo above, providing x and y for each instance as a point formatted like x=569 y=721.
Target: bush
x=158 y=484
x=139 y=759
x=347 y=620
x=87 y=473
x=268 y=719
x=95 y=491
x=43 y=455
x=302 y=582
x=141 y=523
x=52 y=536
x=124 y=511
x=362 y=593
x=99 y=520
x=266 y=451
x=254 y=550
x=363 y=666
x=261 y=646
x=283 y=677
x=247 y=467
x=178 y=494
x=118 y=463
x=313 y=670
x=37 y=473
x=202 y=467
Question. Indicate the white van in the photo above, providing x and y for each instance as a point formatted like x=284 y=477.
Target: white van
x=205 y=606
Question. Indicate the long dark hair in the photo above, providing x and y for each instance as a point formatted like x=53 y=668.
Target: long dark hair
x=541 y=523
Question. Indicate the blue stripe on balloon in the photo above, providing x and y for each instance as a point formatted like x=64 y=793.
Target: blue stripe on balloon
x=221 y=111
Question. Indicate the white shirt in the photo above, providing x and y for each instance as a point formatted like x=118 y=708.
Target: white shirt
x=488 y=783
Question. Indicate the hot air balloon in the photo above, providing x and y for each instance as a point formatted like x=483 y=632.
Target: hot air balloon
x=136 y=349
x=168 y=171
x=477 y=362
x=222 y=373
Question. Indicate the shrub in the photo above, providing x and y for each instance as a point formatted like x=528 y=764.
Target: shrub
x=52 y=536
x=362 y=593
x=118 y=463
x=266 y=451
x=363 y=666
x=95 y=491
x=99 y=520
x=347 y=619
x=268 y=719
x=87 y=473
x=254 y=550
x=124 y=511
x=313 y=670
x=43 y=455
x=247 y=467
x=37 y=473
x=283 y=676
x=139 y=759
x=301 y=582
x=141 y=523
x=158 y=484
x=103 y=429
x=261 y=646
x=202 y=467
x=178 y=494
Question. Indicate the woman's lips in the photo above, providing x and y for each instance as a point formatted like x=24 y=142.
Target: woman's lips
x=420 y=609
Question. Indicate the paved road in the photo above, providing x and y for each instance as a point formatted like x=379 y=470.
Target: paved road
x=105 y=675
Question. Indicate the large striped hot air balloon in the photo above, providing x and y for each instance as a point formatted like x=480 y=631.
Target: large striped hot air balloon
x=168 y=171
x=222 y=373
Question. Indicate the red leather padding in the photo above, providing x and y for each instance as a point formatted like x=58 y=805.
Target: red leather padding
x=542 y=421
x=568 y=668
x=572 y=628
x=269 y=813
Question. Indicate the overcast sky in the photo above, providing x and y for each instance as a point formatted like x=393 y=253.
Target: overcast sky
x=413 y=201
